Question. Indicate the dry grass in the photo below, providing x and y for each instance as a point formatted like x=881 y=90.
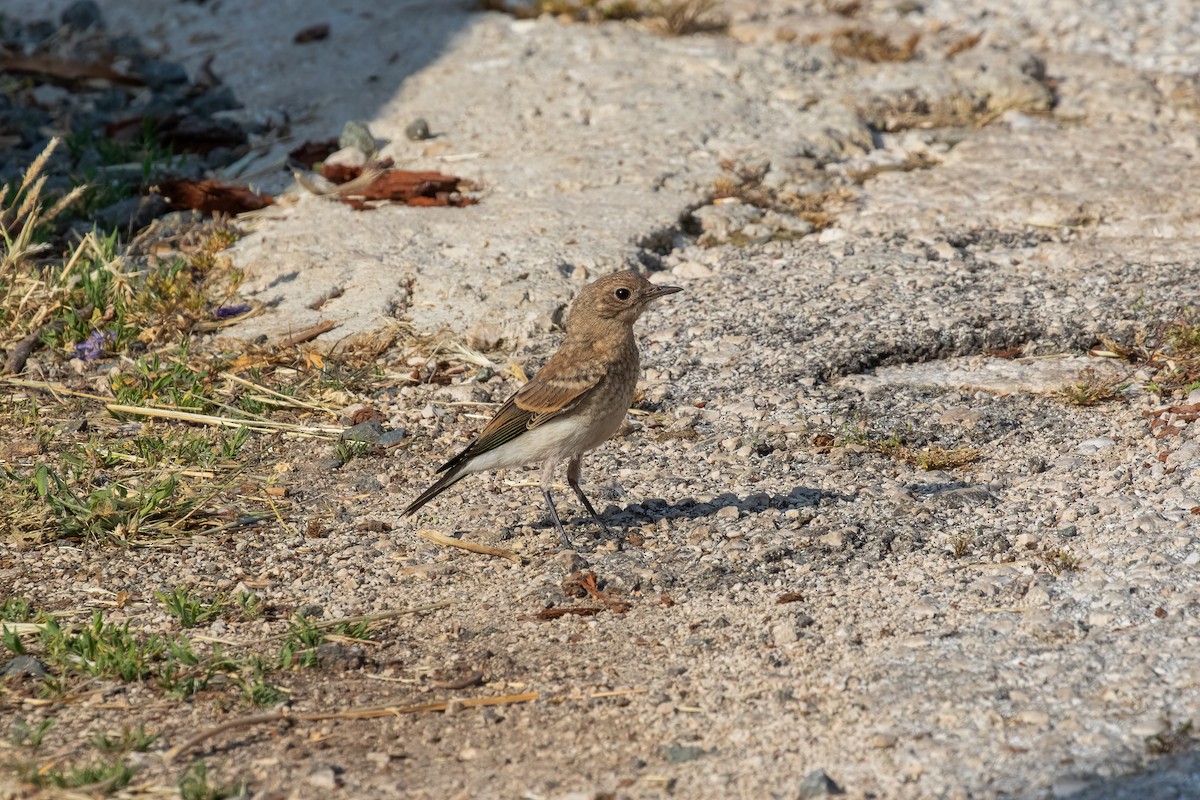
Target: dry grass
x=23 y=211
x=864 y=44
x=1092 y=389
x=155 y=432
x=666 y=17
x=819 y=208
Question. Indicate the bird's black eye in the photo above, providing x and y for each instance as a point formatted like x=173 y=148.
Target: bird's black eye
x=621 y=294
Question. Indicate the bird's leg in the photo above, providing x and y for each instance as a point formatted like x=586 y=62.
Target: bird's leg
x=573 y=470
x=547 y=482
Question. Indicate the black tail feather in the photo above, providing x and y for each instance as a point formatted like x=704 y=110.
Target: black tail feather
x=443 y=483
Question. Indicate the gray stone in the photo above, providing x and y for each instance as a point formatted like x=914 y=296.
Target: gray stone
x=817 y=784
x=82 y=15
x=417 y=130
x=161 y=75
x=369 y=432
x=25 y=665
x=682 y=753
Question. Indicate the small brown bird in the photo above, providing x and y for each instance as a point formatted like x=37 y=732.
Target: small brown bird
x=576 y=401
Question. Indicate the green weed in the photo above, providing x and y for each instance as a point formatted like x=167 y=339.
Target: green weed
x=195 y=785
x=189 y=610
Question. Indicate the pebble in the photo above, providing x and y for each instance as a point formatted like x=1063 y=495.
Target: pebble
x=692 y=269
x=25 y=665
x=322 y=777
x=817 y=784
x=682 y=753
x=1097 y=445
x=82 y=16
x=417 y=130
x=784 y=633
x=369 y=432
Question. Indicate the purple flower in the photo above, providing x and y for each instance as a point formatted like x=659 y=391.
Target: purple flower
x=225 y=312
x=92 y=347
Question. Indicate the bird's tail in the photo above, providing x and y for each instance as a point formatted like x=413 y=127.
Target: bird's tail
x=443 y=483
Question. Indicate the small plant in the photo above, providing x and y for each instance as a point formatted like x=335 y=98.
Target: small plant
x=102 y=650
x=257 y=689
x=684 y=17
x=1173 y=740
x=250 y=604
x=346 y=450
x=1059 y=560
x=300 y=647
x=194 y=785
x=960 y=545
x=129 y=741
x=24 y=735
x=935 y=457
x=866 y=45
x=101 y=777
x=16 y=608
x=190 y=611
x=23 y=212
x=1092 y=389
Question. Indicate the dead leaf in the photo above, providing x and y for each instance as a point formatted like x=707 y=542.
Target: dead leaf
x=66 y=69
x=555 y=613
x=345 y=173
x=410 y=188
x=211 y=197
x=313 y=33
x=1172 y=421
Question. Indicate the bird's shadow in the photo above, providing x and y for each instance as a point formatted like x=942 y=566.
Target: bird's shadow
x=654 y=509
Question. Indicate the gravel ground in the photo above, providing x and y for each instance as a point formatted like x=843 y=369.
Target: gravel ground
x=1021 y=626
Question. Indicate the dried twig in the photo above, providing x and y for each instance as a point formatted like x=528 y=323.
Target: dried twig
x=224 y=422
x=555 y=613
x=369 y=712
x=450 y=541
x=309 y=333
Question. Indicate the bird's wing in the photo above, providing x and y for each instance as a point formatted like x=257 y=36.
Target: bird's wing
x=556 y=389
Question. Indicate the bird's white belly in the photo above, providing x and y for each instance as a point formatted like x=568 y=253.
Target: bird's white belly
x=565 y=437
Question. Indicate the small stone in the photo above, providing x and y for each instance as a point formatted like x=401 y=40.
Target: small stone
x=485 y=335
x=572 y=561
x=882 y=741
x=817 y=784
x=1039 y=719
x=391 y=438
x=322 y=777
x=1027 y=541
x=357 y=134
x=834 y=540
x=784 y=633
x=727 y=512
x=369 y=431
x=417 y=130
x=82 y=16
x=336 y=656
x=682 y=753
x=1099 y=444
x=25 y=665
x=692 y=269
x=310 y=611
x=1037 y=595
x=160 y=75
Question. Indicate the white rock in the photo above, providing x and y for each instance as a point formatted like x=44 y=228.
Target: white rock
x=692 y=269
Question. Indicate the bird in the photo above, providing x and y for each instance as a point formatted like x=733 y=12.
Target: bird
x=574 y=403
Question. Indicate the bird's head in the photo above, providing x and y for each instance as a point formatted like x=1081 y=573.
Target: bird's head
x=614 y=300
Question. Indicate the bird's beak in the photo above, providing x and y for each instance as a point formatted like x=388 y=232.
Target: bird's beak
x=661 y=291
